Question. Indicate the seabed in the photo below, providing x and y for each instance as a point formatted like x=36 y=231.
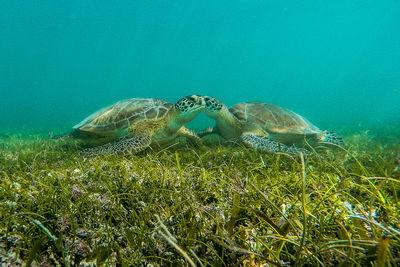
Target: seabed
x=200 y=206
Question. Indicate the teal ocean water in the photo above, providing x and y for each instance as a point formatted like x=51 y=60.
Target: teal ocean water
x=335 y=62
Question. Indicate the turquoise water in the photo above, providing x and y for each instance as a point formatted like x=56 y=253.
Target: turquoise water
x=335 y=62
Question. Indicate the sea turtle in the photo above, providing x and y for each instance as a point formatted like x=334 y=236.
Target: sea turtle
x=264 y=126
x=134 y=124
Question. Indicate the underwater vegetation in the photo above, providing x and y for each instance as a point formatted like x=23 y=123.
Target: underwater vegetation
x=218 y=205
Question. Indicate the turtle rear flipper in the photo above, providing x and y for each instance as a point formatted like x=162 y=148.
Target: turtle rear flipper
x=58 y=136
x=333 y=138
x=265 y=144
x=124 y=145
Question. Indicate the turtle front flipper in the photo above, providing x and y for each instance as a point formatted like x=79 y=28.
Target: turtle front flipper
x=333 y=138
x=207 y=131
x=190 y=136
x=265 y=144
x=124 y=145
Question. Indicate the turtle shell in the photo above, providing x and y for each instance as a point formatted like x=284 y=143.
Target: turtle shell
x=273 y=119
x=119 y=116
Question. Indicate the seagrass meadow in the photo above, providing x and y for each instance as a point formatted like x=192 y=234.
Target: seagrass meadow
x=215 y=205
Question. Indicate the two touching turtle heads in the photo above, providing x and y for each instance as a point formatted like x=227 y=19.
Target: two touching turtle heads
x=144 y=122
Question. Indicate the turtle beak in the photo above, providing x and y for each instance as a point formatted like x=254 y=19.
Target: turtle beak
x=201 y=101
x=198 y=100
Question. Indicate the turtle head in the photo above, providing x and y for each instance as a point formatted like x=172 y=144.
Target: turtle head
x=213 y=107
x=189 y=107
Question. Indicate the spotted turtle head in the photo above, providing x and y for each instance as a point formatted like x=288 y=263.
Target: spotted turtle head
x=190 y=106
x=213 y=106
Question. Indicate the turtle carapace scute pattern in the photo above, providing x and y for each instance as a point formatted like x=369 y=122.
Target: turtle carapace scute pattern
x=263 y=126
x=130 y=126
